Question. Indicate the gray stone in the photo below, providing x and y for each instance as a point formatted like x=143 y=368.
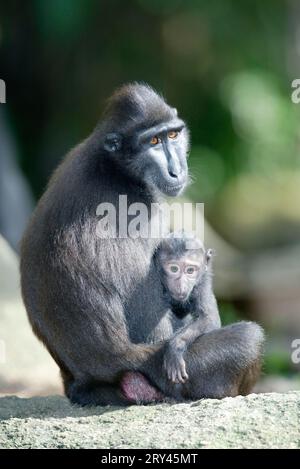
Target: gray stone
x=255 y=421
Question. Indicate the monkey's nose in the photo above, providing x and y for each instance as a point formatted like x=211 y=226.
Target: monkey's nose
x=174 y=174
x=174 y=168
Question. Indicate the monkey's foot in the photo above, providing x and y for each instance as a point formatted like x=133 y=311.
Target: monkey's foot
x=136 y=388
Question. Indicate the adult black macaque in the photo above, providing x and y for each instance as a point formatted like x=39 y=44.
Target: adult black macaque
x=93 y=300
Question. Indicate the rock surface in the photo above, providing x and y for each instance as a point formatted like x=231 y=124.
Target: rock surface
x=255 y=421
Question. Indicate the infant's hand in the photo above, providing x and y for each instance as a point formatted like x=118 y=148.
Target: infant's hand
x=174 y=365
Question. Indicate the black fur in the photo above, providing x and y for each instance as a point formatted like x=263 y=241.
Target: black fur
x=94 y=301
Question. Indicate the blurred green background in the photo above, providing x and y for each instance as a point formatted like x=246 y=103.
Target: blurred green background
x=228 y=68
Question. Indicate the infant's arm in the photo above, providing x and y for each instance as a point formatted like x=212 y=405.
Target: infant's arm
x=174 y=362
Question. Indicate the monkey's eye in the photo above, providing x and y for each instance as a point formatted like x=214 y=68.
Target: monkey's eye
x=154 y=140
x=174 y=269
x=172 y=134
x=190 y=270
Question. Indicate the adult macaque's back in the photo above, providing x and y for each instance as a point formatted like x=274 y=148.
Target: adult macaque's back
x=93 y=298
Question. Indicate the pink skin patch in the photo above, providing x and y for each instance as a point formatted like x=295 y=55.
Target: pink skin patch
x=136 y=388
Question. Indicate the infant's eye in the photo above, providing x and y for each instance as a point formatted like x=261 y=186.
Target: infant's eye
x=190 y=270
x=172 y=134
x=154 y=140
x=174 y=269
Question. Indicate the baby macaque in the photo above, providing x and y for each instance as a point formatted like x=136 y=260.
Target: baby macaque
x=186 y=273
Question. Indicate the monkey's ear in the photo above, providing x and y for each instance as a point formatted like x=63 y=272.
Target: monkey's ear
x=113 y=142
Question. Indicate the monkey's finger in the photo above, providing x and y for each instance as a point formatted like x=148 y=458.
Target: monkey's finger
x=166 y=368
x=175 y=379
x=182 y=376
x=183 y=379
x=178 y=375
x=183 y=371
x=169 y=373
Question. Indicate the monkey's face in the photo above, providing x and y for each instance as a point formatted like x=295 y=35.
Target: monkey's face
x=180 y=275
x=162 y=152
x=146 y=137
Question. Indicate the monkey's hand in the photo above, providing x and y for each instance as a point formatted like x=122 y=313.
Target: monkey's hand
x=174 y=364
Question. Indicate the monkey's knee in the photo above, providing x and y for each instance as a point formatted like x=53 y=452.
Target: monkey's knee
x=254 y=332
x=251 y=338
x=255 y=339
x=250 y=378
x=229 y=361
x=248 y=336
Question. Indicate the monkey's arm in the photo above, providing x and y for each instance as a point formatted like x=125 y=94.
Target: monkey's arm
x=207 y=314
x=207 y=320
x=174 y=362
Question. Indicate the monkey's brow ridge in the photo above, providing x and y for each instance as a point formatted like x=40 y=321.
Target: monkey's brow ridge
x=176 y=125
